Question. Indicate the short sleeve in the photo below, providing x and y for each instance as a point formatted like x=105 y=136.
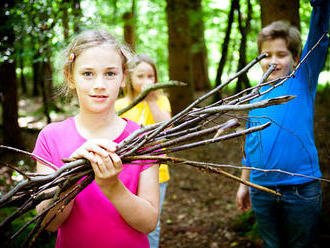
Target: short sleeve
x=147 y=165
x=164 y=103
x=42 y=148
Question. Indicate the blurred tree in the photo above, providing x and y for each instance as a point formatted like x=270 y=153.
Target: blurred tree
x=179 y=52
x=11 y=132
x=65 y=18
x=225 y=43
x=244 y=30
x=199 y=53
x=76 y=13
x=273 y=10
x=129 y=26
x=21 y=65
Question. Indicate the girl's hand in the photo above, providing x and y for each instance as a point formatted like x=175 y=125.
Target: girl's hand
x=105 y=163
x=152 y=95
x=107 y=169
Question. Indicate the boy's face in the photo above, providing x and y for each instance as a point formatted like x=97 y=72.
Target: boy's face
x=279 y=55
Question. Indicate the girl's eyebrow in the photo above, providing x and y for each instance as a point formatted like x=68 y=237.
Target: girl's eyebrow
x=112 y=67
x=86 y=68
x=93 y=68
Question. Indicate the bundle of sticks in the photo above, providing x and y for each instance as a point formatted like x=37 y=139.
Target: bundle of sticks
x=192 y=127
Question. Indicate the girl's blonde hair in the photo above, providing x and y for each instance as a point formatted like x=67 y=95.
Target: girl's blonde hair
x=139 y=58
x=85 y=40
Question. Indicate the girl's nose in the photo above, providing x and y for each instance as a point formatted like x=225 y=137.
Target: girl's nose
x=99 y=83
x=148 y=82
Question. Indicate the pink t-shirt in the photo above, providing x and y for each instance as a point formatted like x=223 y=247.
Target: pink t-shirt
x=94 y=221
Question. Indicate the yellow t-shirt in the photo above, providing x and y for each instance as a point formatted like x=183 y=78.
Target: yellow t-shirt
x=141 y=114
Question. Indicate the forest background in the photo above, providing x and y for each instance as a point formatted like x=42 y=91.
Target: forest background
x=200 y=42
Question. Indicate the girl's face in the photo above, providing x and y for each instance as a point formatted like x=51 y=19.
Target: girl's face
x=97 y=77
x=142 y=76
x=279 y=55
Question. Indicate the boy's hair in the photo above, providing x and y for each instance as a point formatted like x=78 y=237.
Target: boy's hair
x=282 y=29
x=88 y=39
x=139 y=58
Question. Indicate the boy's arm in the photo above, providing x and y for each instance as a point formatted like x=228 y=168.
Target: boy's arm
x=319 y=24
x=243 y=196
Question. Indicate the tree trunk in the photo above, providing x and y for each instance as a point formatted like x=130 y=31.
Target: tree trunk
x=199 y=53
x=274 y=10
x=11 y=131
x=22 y=77
x=65 y=19
x=36 y=75
x=76 y=11
x=244 y=30
x=179 y=53
x=224 y=49
x=44 y=90
x=129 y=27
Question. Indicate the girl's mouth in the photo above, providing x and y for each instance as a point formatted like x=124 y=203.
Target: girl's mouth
x=99 y=98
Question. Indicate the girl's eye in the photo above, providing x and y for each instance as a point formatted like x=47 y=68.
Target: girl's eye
x=110 y=74
x=87 y=74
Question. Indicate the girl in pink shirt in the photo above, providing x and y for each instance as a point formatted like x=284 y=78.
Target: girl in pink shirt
x=121 y=205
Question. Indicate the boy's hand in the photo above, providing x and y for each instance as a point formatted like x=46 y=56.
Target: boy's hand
x=243 y=203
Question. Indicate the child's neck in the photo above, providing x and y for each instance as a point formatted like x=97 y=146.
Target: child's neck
x=92 y=126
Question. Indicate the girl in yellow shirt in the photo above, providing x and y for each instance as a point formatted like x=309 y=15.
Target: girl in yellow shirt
x=154 y=108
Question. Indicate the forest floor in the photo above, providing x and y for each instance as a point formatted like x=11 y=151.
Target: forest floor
x=199 y=209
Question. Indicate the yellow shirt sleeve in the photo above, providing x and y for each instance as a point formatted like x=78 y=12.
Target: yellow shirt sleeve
x=164 y=103
x=141 y=114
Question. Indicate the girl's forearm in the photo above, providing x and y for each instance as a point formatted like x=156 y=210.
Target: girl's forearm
x=139 y=213
x=158 y=114
x=61 y=216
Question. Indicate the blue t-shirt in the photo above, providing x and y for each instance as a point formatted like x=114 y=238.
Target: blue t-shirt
x=288 y=143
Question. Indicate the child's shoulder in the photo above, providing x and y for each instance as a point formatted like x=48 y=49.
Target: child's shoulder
x=131 y=126
x=59 y=127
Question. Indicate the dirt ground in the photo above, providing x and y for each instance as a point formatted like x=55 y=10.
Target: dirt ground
x=199 y=209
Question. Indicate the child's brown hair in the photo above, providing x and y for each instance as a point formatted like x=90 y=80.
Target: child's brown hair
x=283 y=30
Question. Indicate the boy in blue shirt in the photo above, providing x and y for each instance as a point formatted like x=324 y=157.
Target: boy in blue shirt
x=288 y=144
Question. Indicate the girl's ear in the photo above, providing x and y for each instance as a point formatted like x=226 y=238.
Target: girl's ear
x=69 y=79
x=123 y=82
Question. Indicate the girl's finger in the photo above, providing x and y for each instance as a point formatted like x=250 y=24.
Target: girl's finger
x=107 y=145
x=96 y=169
x=92 y=147
x=115 y=160
x=108 y=164
x=100 y=164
